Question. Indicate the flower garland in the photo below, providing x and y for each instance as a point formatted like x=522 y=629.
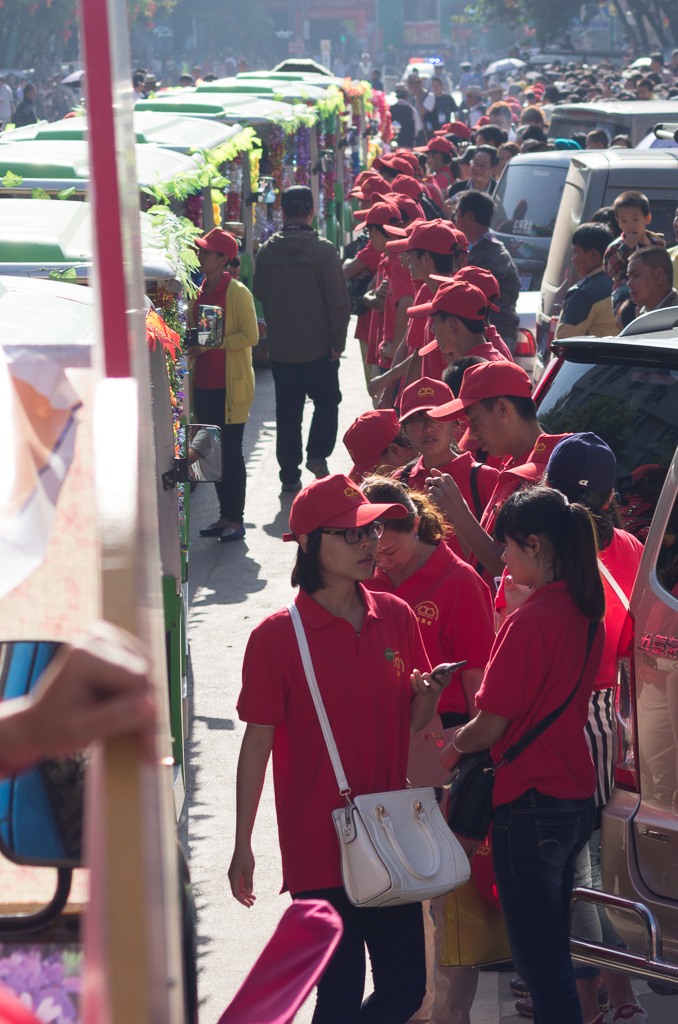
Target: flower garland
x=192 y=210
x=302 y=157
x=330 y=175
x=234 y=194
x=276 y=161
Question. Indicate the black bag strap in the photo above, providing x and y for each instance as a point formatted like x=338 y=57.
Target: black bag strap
x=517 y=748
x=475 y=493
x=404 y=478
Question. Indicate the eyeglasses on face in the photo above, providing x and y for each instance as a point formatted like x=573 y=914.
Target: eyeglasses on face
x=355 y=534
x=481 y=166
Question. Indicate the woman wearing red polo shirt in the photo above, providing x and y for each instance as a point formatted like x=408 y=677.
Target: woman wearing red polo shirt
x=454 y=609
x=366 y=649
x=543 y=801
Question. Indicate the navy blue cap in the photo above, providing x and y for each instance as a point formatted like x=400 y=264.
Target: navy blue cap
x=582 y=460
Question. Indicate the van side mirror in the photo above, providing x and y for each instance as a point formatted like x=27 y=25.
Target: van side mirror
x=202 y=461
x=210 y=330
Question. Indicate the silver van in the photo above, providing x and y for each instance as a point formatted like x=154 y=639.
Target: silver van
x=635 y=118
x=595 y=179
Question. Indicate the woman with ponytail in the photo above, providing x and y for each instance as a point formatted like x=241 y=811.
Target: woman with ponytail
x=543 y=800
x=454 y=610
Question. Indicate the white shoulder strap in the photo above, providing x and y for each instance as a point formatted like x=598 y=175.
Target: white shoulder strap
x=344 y=788
x=613 y=583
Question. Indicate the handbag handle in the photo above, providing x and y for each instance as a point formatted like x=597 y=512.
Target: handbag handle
x=604 y=571
x=344 y=787
x=512 y=752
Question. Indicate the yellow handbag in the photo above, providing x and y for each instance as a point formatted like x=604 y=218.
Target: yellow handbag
x=475 y=933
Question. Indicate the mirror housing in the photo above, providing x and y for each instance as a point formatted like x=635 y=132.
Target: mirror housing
x=202 y=462
x=210 y=330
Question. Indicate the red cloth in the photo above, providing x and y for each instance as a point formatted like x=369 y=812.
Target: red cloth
x=487 y=351
x=494 y=338
x=370 y=257
x=454 y=610
x=536 y=660
x=400 y=285
x=433 y=191
x=12 y=1011
x=209 y=369
x=377 y=320
x=443 y=180
x=621 y=558
x=416 y=332
x=365 y=685
x=293 y=961
x=460 y=471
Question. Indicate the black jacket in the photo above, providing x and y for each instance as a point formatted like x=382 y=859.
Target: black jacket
x=490 y=253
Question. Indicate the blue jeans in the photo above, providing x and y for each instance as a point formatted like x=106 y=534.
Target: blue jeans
x=536 y=840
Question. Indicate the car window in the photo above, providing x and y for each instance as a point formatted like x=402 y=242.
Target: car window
x=566 y=127
x=667 y=559
x=528 y=197
x=662 y=210
x=635 y=410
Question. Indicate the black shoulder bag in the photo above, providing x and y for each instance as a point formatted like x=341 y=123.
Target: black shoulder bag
x=472 y=781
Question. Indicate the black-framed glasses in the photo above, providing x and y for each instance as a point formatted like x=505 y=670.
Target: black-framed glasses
x=354 y=534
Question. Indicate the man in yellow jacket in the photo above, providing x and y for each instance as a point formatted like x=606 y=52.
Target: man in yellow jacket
x=223 y=378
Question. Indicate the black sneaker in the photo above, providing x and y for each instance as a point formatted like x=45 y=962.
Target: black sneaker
x=318 y=467
x=291 y=488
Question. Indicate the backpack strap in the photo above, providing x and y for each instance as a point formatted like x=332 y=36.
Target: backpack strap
x=475 y=493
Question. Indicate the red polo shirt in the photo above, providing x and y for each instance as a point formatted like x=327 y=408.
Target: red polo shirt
x=454 y=610
x=536 y=660
x=370 y=257
x=417 y=332
x=377 y=321
x=494 y=338
x=487 y=351
x=209 y=368
x=365 y=685
x=621 y=558
x=400 y=285
x=460 y=471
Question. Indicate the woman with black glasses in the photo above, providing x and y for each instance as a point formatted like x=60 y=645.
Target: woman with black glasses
x=368 y=658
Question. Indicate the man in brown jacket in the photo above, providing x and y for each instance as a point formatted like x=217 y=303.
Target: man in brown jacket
x=300 y=283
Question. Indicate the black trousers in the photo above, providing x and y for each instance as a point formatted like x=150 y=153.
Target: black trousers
x=294 y=382
x=210 y=407
x=394 y=937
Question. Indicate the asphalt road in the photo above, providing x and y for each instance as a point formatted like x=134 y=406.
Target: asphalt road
x=232 y=588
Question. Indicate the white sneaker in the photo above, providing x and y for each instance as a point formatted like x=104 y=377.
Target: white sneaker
x=629 y=1013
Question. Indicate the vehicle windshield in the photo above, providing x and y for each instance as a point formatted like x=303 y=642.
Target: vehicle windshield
x=635 y=411
x=565 y=127
x=559 y=266
x=528 y=197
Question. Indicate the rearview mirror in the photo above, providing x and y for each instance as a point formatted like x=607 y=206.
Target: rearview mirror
x=210 y=330
x=40 y=809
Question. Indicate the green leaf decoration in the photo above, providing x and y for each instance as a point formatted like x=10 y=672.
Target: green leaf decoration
x=68 y=274
x=66 y=193
x=12 y=180
x=39 y=193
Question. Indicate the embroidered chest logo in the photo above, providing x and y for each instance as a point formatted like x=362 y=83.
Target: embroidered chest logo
x=394 y=656
x=351 y=492
x=427 y=612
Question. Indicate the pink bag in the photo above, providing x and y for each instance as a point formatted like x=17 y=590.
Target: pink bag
x=293 y=961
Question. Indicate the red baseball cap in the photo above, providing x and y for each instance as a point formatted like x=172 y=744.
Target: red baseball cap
x=393 y=164
x=409 y=209
x=482 y=122
x=457 y=297
x=335 y=501
x=385 y=214
x=425 y=394
x=458 y=128
x=367 y=437
x=407 y=154
x=486 y=380
x=373 y=184
x=220 y=241
x=479 y=277
x=438 y=144
x=407 y=186
x=432 y=235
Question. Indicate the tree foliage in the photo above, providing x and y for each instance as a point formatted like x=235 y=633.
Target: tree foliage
x=549 y=20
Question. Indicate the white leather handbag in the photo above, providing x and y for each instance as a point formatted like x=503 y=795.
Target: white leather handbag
x=395 y=847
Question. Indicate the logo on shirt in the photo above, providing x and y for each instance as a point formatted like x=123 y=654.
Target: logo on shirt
x=540 y=447
x=425 y=392
x=394 y=656
x=351 y=492
x=427 y=611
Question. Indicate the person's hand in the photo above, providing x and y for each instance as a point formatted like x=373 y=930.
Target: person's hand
x=386 y=401
x=429 y=683
x=444 y=492
x=376 y=387
x=334 y=355
x=95 y=689
x=515 y=593
x=630 y=239
x=382 y=290
x=241 y=874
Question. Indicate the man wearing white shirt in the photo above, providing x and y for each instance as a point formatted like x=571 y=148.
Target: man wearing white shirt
x=6 y=103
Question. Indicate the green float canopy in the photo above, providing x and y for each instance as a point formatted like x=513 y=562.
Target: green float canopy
x=227 y=107
x=58 y=165
x=38 y=236
x=290 y=92
x=273 y=77
x=60 y=315
x=172 y=131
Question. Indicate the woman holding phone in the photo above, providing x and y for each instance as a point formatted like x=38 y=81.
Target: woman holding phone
x=372 y=672
x=544 y=810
